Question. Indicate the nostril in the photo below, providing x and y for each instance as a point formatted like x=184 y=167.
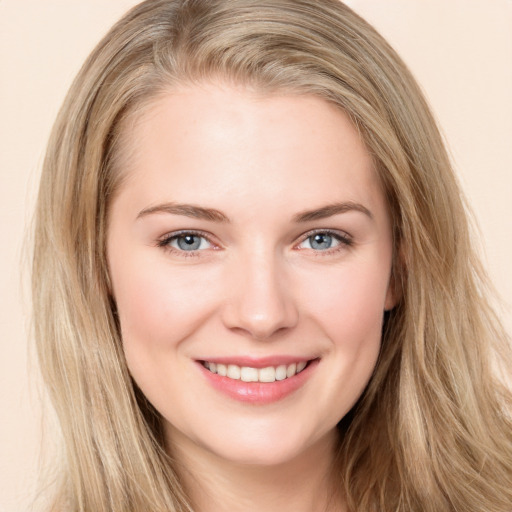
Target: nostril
x=259 y=303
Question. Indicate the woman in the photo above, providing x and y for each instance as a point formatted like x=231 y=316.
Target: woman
x=257 y=288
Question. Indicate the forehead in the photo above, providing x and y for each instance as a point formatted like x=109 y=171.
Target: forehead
x=211 y=140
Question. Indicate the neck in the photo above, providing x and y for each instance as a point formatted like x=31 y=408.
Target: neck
x=304 y=484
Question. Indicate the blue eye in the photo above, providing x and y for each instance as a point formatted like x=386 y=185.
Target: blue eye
x=189 y=242
x=323 y=241
x=186 y=242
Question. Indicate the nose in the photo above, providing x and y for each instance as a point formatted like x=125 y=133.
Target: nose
x=260 y=302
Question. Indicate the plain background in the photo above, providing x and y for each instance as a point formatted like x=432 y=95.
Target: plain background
x=459 y=50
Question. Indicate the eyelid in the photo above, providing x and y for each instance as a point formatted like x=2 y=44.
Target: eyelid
x=164 y=241
x=343 y=237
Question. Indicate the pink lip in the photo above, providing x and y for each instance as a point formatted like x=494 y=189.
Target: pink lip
x=258 y=362
x=257 y=392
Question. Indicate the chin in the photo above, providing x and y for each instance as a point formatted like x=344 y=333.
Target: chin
x=266 y=447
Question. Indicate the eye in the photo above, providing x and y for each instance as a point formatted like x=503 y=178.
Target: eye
x=185 y=241
x=324 y=241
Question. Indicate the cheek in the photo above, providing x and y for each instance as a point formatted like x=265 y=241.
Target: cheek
x=159 y=305
x=350 y=312
x=159 y=309
x=352 y=302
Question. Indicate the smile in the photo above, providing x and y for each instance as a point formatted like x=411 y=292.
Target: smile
x=258 y=381
x=250 y=374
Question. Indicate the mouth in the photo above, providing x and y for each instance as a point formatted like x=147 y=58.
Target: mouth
x=258 y=381
x=251 y=374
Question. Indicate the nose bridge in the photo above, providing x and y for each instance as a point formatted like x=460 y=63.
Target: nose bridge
x=260 y=301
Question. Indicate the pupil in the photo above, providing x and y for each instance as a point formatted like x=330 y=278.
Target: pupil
x=321 y=241
x=189 y=242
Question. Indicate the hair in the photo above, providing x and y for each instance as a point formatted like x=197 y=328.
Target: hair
x=432 y=431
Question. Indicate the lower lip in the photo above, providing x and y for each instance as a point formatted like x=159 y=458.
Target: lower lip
x=259 y=392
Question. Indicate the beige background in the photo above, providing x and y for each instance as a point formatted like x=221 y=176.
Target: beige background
x=460 y=51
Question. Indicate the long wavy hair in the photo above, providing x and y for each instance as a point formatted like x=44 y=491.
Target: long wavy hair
x=433 y=430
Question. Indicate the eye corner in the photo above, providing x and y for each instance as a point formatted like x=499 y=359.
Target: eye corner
x=342 y=241
x=171 y=243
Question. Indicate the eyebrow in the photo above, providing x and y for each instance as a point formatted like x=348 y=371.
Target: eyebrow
x=330 y=210
x=211 y=214
x=187 y=210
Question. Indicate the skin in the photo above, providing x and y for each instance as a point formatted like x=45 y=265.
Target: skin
x=257 y=285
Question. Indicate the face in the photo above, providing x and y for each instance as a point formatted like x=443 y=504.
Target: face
x=250 y=252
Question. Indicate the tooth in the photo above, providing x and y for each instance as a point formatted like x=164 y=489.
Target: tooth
x=212 y=367
x=281 y=372
x=301 y=366
x=249 y=374
x=222 y=370
x=233 y=371
x=267 y=374
x=290 y=371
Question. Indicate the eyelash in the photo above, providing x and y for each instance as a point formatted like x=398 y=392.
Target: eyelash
x=342 y=237
x=165 y=242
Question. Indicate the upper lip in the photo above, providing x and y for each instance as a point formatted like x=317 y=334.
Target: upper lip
x=257 y=362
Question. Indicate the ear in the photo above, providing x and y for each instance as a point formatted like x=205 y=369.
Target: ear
x=391 y=295
x=395 y=289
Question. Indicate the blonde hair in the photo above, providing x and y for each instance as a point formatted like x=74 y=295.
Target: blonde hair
x=432 y=431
